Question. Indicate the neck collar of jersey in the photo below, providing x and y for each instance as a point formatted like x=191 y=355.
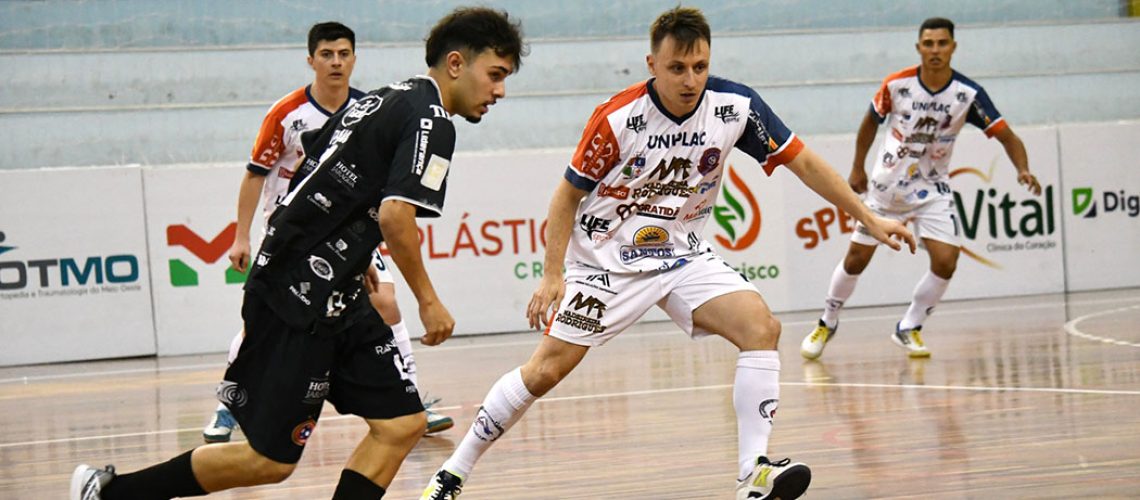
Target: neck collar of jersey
x=327 y=113
x=661 y=107
x=438 y=92
x=918 y=73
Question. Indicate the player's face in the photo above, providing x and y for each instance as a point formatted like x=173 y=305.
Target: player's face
x=481 y=82
x=680 y=74
x=333 y=61
x=936 y=47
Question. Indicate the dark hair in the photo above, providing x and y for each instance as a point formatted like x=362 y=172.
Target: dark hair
x=685 y=24
x=937 y=23
x=473 y=30
x=328 y=32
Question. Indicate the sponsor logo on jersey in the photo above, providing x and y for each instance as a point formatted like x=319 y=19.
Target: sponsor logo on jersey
x=633 y=253
x=593 y=225
x=321 y=267
x=673 y=188
x=636 y=123
x=345 y=174
x=678 y=166
x=762 y=136
x=702 y=210
x=633 y=167
x=360 y=109
x=937 y=107
x=231 y=393
x=616 y=192
x=321 y=201
x=677 y=139
x=435 y=173
x=650 y=235
x=726 y=113
x=318 y=390
x=647 y=210
x=926 y=122
x=904 y=92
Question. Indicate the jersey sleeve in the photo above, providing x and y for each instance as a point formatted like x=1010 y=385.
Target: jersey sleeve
x=597 y=152
x=984 y=115
x=421 y=161
x=269 y=144
x=766 y=138
x=881 y=104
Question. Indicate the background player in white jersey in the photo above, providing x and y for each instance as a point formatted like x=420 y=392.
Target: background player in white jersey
x=925 y=108
x=634 y=189
x=332 y=55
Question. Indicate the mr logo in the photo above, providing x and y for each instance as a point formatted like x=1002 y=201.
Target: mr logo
x=1084 y=203
x=591 y=304
x=209 y=252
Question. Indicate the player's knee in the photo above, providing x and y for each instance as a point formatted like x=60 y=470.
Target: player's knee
x=944 y=270
x=855 y=263
x=268 y=471
x=540 y=378
x=405 y=430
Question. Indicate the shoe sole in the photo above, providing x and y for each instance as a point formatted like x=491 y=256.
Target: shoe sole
x=791 y=484
x=215 y=439
x=808 y=355
x=440 y=426
x=77 y=481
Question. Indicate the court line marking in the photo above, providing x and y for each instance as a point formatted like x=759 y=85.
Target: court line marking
x=534 y=340
x=1071 y=327
x=559 y=399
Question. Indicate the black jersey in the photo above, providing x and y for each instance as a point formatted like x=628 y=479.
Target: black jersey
x=395 y=142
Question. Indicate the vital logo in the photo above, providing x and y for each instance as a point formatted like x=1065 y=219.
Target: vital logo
x=1001 y=216
x=735 y=217
x=181 y=274
x=1084 y=203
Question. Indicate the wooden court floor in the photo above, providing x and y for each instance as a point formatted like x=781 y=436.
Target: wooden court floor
x=1030 y=397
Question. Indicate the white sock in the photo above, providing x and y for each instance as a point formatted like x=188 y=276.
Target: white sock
x=755 y=396
x=235 y=346
x=404 y=344
x=504 y=405
x=927 y=293
x=842 y=285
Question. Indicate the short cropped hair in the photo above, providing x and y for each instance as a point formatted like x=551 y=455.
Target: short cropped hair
x=686 y=25
x=328 y=32
x=473 y=30
x=937 y=23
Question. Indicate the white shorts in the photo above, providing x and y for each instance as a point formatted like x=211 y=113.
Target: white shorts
x=936 y=220
x=599 y=305
x=382 y=266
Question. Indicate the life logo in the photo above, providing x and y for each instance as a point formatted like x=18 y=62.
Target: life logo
x=1085 y=203
x=988 y=211
x=182 y=274
x=739 y=217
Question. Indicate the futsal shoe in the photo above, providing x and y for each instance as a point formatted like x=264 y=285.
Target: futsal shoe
x=435 y=421
x=813 y=344
x=220 y=427
x=87 y=482
x=911 y=341
x=771 y=480
x=443 y=486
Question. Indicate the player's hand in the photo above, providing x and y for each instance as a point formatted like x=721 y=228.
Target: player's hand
x=239 y=255
x=888 y=231
x=438 y=323
x=549 y=294
x=371 y=279
x=858 y=180
x=1030 y=182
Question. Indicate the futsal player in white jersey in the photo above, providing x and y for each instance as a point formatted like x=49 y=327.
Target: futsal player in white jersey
x=626 y=221
x=925 y=108
x=332 y=55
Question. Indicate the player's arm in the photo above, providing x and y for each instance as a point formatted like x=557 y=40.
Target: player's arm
x=1015 y=150
x=398 y=224
x=863 y=140
x=559 y=224
x=249 y=193
x=818 y=175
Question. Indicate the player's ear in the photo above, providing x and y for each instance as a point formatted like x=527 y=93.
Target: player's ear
x=454 y=61
x=649 y=64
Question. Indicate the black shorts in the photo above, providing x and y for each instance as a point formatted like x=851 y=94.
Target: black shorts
x=281 y=377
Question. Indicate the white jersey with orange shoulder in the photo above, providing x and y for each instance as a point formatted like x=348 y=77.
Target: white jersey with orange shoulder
x=913 y=165
x=653 y=177
x=278 y=144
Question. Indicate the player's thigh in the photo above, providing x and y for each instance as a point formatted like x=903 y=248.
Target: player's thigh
x=598 y=305
x=369 y=379
x=707 y=296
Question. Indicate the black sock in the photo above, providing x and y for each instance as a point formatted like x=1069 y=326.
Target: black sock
x=354 y=486
x=170 y=479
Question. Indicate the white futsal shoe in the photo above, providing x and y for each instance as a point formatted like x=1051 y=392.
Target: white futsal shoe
x=784 y=480
x=911 y=341
x=87 y=482
x=813 y=344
